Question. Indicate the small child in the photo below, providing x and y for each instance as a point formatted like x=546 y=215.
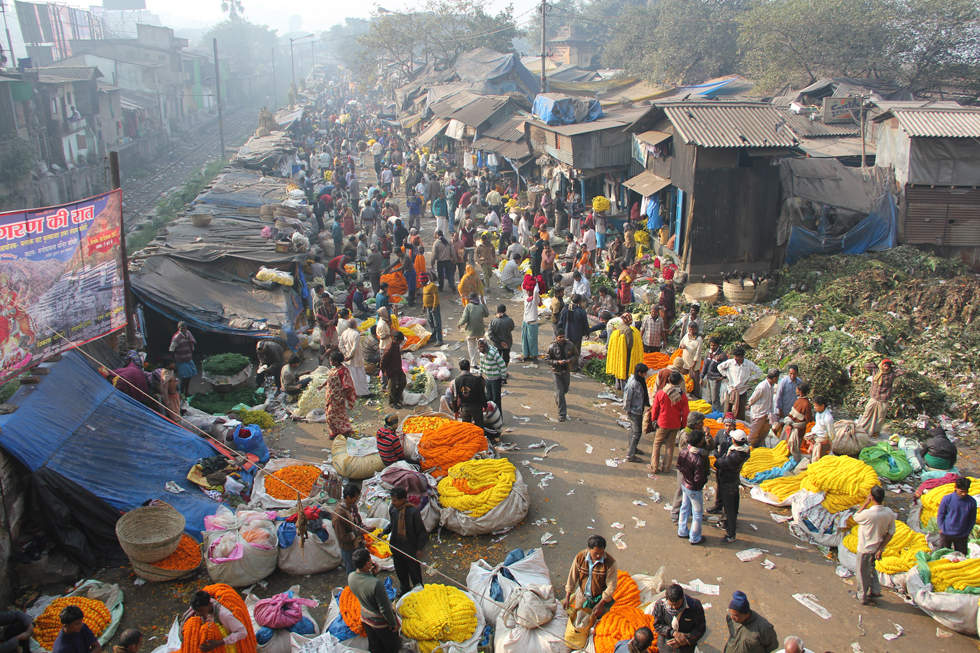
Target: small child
x=75 y=636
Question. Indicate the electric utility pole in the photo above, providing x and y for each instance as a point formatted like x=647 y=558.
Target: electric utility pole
x=544 y=49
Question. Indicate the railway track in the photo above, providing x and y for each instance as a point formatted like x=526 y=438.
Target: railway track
x=182 y=163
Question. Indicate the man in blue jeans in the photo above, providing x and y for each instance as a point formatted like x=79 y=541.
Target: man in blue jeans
x=693 y=466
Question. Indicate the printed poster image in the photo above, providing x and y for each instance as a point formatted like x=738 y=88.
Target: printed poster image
x=60 y=279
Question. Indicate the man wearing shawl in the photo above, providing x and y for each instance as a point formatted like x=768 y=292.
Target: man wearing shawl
x=881 y=393
x=624 y=352
x=340 y=396
x=130 y=379
x=350 y=347
x=470 y=283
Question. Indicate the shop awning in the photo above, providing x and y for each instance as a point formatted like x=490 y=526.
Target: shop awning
x=653 y=137
x=646 y=183
x=432 y=131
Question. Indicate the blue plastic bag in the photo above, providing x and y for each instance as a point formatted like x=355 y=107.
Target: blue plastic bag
x=249 y=440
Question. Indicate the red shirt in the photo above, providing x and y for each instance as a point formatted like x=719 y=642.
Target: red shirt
x=464 y=201
x=336 y=263
x=668 y=415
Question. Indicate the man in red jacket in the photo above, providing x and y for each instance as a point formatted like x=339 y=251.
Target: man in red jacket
x=669 y=413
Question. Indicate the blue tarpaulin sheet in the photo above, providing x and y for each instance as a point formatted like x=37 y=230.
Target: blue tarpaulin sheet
x=555 y=109
x=74 y=423
x=877 y=232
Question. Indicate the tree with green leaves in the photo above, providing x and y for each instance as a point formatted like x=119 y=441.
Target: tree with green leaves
x=233 y=8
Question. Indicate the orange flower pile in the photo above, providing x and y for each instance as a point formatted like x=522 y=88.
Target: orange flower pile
x=656 y=360
x=677 y=354
x=350 y=610
x=196 y=631
x=419 y=268
x=627 y=591
x=688 y=383
x=712 y=426
x=423 y=424
x=187 y=557
x=48 y=625
x=448 y=444
x=618 y=624
x=396 y=283
x=726 y=310
x=280 y=484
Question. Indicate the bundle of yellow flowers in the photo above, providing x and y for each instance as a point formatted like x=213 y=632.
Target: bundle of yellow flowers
x=476 y=487
x=846 y=481
x=762 y=459
x=699 y=406
x=783 y=487
x=95 y=615
x=375 y=543
x=899 y=555
x=641 y=238
x=600 y=204
x=436 y=614
x=959 y=575
x=932 y=499
x=726 y=310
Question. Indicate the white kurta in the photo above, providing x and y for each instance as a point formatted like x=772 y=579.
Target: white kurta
x=350 y=347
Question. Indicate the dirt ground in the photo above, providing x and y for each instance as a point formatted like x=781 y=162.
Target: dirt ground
x=586 y=497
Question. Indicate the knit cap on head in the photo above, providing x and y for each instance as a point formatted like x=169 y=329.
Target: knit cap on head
x=739 y=602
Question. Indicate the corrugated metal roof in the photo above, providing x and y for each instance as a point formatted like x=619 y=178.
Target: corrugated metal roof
x=479 y=111
x=611 y=120
x=937 y=123
x=68 y=74
x=729 y=124
x=831 y=148
x=432 y=131
x=511 y=130
x=503 y=148
x=653 y=137
x=807 y=128
x=646 y=183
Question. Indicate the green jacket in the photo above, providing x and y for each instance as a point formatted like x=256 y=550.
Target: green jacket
x=755 y=635
x=472 y=321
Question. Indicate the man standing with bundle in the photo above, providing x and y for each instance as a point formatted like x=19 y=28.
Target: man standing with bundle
x=761 y=409
x=729 y=468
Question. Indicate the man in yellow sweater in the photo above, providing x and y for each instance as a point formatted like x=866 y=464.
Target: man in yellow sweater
x=430 y=301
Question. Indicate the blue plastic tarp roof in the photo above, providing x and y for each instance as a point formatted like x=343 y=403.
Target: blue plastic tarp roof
x=877 y=232
x=76 y=424
x=484 y=64
x=555 y=109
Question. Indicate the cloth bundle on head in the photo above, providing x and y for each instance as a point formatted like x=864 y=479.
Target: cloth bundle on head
x=281 y=611
x=740 y=602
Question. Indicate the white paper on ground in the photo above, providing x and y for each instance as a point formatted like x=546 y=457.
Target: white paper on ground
x=749 y=554
x=810 y=601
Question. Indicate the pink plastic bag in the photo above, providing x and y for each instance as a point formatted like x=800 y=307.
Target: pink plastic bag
x=281 y=611
x=266 y=232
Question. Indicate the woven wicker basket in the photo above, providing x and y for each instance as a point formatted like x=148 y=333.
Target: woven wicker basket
x=151 y=533
x=736 y=294
x=703 y=293
x=158 y=575
x=253 y=211
x=764 y=328
x=286 y=212
x=201 y=219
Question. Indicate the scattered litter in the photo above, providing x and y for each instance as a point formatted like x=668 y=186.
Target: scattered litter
x=561 y=531
x=639 y=503
x=544 y=481
x=607 y=395
x=139 y=581
x=625 y=423
x=570 y=492
x=781 y=519
x=507 y=446
x=639 y=522
x=499 y=539
x=654 y=495
x=699 y=586
x=943 y=634
x=800 y=546
x=546 y=538
x=508 y=430
x=618 y=541
x=578 y=376
x=549 y=448
x=173 y=488
x=653 y=477
x=612 y=462
x=856 y=648
x=844 y=572
x=502 y=530
x=706 y=606
x=505 y=392
x=538 y=458
x=860 y=627
x=538 y=472
x=536 y=445
x=522 y=419
x=753 y=527
x=532 y=366
x=749 y=554
x=616 y=524
x=810 y=601
x=581 y=481
x=893 y=636
x=588 y=448
x=768 y=564
x=667 y=506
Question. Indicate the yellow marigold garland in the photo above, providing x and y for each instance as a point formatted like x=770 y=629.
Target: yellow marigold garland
x=931 y=499
x=899 y=555
x=957 y=575
x=616 y=359
x=846 y=481
x=377 y=545
x=762 y=459
x=423 y=424
x=476 y=487
x=436 y=614
x=785 y=486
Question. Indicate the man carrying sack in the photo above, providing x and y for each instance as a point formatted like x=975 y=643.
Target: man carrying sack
x=590 y=588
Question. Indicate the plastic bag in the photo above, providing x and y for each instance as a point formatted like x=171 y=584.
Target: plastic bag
x=272 y=274
x=530 y=570
x=246 y=563
x=507 y=513
x=577 y=627
x=173 y=639
x=887 y=461
x=535 y=605
x=280 y=611
x=222 y=520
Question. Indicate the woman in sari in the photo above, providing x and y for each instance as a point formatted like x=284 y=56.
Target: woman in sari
x=340 y=397
x=349 y=228
x=170 y=389
x=470 y=283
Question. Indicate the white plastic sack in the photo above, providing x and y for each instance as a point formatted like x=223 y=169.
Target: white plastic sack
x=830 y=527
x=173 y=639
x=262 y=498
x=954 y=611
x=314 y=557
x=430 y=512
x=333 y=613
x=507 y=513
x=531 y=605
x=355 y=468
x=471 y=645
x=759 y=494
x=531 y=570
x=253 y=565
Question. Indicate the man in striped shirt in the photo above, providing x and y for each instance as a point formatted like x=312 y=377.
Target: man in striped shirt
x=493 y=369
x=389 y=444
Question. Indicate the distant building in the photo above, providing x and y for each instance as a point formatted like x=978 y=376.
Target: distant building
x=573 y=47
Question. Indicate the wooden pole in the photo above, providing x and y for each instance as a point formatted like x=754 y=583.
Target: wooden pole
x=127 y=288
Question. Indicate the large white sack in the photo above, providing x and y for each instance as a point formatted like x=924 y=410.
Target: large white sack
x=262 y=498
x=357 y=642
x=471 y=645
x=509 y=512
x=314 y=557
x=954 y=611
x=759 y=494
x=254 y=565
x=531 y=570
x=532 y=621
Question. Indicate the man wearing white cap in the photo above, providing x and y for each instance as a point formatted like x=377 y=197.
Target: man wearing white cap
x=729 y=468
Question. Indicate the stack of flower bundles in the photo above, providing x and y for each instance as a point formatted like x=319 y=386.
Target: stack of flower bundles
x=435 y=614
x=449 y=444
x=482 y=496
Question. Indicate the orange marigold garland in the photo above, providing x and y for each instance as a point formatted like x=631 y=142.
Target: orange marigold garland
x=397 y=285
x=196 y=631
x=48 y=625
x=350 y=610
x=677 y=354
x=656 y=360
x=618 y=624
x=423 y=424
x=186 y=557
x=449 y=444
x=627 y=591
x=280 y=484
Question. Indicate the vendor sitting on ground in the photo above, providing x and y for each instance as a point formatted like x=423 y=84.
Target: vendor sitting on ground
x=75 y=636
x=291 y=383
x=938 y=452
x=390 y=446
x=591 y=580
x=17 y=630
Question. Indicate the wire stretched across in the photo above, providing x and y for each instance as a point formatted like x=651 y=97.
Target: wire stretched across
x=524 y=622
